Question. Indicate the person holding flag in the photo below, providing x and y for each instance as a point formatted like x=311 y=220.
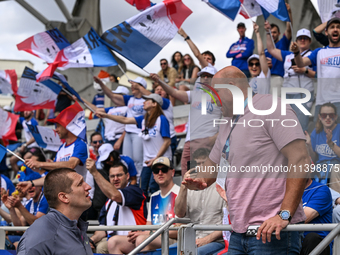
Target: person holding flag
x=70 y=126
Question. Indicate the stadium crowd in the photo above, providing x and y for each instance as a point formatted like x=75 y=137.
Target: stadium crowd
x=128 y=162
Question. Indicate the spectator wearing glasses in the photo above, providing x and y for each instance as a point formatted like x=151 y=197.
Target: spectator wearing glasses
x=258 y=67
x=324 y=146
x=155 y=134
x=126 y=205
x=187 y=74
x=96 y=140
x=168 y=75
x=294 y=76
x=161 y=209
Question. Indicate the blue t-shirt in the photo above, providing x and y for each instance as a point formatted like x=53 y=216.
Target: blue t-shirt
x=40 y=206
x=98 y=101
x=240 y=52
x=9 y=185
x=320 y=146
x=277 y=68
x=319 y=198
x=164 y=129
x=130 y=165
x=166 y=104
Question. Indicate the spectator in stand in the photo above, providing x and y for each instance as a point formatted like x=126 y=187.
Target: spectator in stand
x=325 y=59
x=132 y=145
x=99 y=98
x=317 y=205
x=22 y=215
x=201 y=133
x=168 y=75
x=277 y=70
x=114 y=132
x=61 y=231
x=126 y=204
x=324 y=146
x=258 y=68
x=114 y=78
x=63 y=101
x=207 y=58
x=96 y=140
x=202 y=207
x=177 y=60
x=161 y=209
x=155 y=135
x=296 y=77
x=187 y=75
x=336 y=206
x=319 y=36
x=38 y=156
x=241 y=50
x=27 y=149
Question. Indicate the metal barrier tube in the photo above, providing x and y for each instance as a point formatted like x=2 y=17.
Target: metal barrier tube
x=326 y=241
x=165 y=242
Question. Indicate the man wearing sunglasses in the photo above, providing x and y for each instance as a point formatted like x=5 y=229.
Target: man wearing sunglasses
x=96 y=141
x=161 y=209
x=167 y=74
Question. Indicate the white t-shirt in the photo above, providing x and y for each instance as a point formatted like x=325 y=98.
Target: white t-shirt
x=327 y=61
x=292 y=79
x=201 y=126
x=161 y=209
x=135 y=109
x=153 y=141
x=77 y=149
x=261 y=83
x=113 y=129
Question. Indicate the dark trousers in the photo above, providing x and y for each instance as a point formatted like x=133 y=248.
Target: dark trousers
x=310 y=242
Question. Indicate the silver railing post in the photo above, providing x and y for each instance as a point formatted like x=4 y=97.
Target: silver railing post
x=326 y=241
x=165 y=242
x=336 y=245
x=189 y=241
x=2 y=239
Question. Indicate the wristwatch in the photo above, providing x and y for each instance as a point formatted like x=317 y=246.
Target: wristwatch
x=306 y=72
x=284 y=215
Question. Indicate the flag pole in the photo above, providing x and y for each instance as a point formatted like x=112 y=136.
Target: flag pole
x=247 y=13
x=124 y=72
x=87 y=106
x=20 y=158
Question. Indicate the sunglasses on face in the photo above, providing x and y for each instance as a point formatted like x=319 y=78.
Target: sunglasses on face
x=302 y=38
x=186 y=59
x=205 y=75
x=252 y=64
x=99 y=141
x=163 y=169
x=163 y=64
x=324 y=115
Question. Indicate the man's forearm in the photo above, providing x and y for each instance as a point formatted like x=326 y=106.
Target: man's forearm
x=29 y=218
x=98 y=235
x=106 y=187
x=6 y=216
x=15 y=218
x=209 y=173
x=181 y=202
x=55 y=165
x=214 y=236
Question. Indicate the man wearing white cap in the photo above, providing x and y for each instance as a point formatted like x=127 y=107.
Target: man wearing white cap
x=258 y=68
x=114 y=132
x=133 y=144
x=297 y=77
x=201 y=132
x=327 y=61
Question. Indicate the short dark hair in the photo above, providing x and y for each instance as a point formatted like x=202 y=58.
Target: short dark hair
x=207 y=52
x=40 y=156
x=120 y=164
x=116 y=78
x=201 y=152
x=55 y=182
x=274 y=25
x=163 y=59
x=241 y=24
x=93 y=134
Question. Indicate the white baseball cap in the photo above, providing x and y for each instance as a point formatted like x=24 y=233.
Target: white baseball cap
x=104 y=151
x=140 y=81
x=252 y=57
x=303 y=32
x=121 y=90
x=208 y=69
x=157 y=98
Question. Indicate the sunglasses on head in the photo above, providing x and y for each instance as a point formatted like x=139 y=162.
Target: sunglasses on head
x=252 y=63
x=99 y=141
x=324 y=115
x=163 y=169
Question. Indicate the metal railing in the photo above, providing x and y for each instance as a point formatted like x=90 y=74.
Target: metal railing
x=187 y=234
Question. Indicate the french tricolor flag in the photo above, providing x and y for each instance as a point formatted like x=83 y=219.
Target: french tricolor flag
x=73 y=119
x=140 y=5
x=45 y=45
x=88 y=51
x=277 y=8
x=8 y=82
x=141 y=37
x=229 y=8
x=45 y=137
x=250 y=7
x=8 y=123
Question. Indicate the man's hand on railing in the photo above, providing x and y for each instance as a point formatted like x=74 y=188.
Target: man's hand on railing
x=269 y=226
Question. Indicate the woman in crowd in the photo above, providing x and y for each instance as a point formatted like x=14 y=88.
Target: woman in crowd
x=177 y=60
x=324 y=146
x=188 y=74
x=155 y=133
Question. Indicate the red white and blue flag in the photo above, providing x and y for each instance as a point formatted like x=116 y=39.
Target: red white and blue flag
x=7 y=127
x=229 y=8
x=88 y=51
x=141 y=37
x=45 y=137
x=277 y=8
x=33 y=95
x=73 y=119
x=140 y=5
x=8 y=82
x=45 y=45
x=250 y=9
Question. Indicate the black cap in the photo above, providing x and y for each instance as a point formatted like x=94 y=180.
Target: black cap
x=241 y=24
x=333 y=20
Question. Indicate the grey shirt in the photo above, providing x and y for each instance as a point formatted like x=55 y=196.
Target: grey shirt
x=55 y=234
